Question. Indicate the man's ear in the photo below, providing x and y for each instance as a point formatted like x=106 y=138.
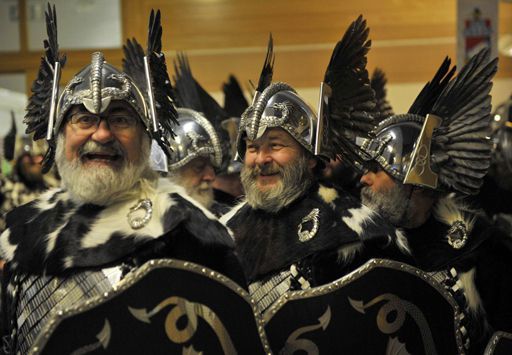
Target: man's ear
x=312 y=163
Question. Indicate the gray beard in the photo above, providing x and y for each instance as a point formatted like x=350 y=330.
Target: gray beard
x=295 y=180
x=102 y=185
x=202 y=193
x=204 y=197
x=393 y=204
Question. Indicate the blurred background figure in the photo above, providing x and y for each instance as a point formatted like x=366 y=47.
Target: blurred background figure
x=201 y=146
x=227 y=186
x=24 y=181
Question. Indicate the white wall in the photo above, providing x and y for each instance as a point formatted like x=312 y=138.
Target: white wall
x=9 y=26
x=82 y=24
x=12 y=97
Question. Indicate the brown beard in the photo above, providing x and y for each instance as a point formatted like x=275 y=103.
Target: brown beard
x=295 y=179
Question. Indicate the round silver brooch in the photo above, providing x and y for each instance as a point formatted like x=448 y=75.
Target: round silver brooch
x=457 y=235
x=139 y=222
x=313 y=218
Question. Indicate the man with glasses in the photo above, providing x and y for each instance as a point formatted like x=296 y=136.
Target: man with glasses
x=113 y=213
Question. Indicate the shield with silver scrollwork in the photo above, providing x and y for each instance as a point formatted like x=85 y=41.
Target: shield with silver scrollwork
x=164 y=307
x=383 y=307
x=500 y=344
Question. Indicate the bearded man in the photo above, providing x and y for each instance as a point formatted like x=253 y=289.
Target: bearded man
x=25 y=182
x=292 y=231
x=201 y=147
x=113 y=212
x=196 y=155
x=414 y=161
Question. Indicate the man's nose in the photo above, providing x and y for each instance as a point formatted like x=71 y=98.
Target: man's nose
x=38 y=159
x=367 y=179
x=103 y=134
x=263 y=157
x=208 y=173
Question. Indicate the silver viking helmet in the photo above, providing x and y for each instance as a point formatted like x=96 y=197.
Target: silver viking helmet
x=394 y=142
x=200 y=119
x=194 y=137
x=279 y=106
x=95 y=87
x=442 y=143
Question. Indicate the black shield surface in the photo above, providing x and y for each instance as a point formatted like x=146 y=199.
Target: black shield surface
x=500 y=344
x=165 y=307
x=382 y=307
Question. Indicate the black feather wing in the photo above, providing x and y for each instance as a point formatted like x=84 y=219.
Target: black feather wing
x=162 y=88
x=461 y=147
x=133 y=63
x=431 y=91
x=268 y=67
x=10 y=140
x=194 y=96
x=235 y=102
x=378 y=84
x=352 y=108
x=38 y=108
x=186 y=89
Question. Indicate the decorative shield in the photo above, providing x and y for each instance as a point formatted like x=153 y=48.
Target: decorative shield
x=164 y=307
x=500 y=344
x=383 y=307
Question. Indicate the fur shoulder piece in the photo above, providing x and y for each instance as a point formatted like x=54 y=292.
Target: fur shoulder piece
x=453 y=233
x=324 y=219
x=53 y=234
x=460 y=218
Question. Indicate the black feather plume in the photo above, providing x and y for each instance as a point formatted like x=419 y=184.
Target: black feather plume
x=431 y=91
x=162 y=88
x=133 y=63
x=10 y=140
x=378 y=84
x=462 y=139
x=473 y=82
x=186 y=89
x=268 y=67
x=352 y=105
x=38 y=108
x=235 y=102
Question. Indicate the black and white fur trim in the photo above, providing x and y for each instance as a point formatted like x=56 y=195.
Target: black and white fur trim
x=432 y=251
x=267 y=242
x=53 y=234
x=449 y=210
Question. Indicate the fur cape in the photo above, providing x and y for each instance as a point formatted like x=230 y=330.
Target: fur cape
x=267 y=242
x=52 y=234
x=483 y=265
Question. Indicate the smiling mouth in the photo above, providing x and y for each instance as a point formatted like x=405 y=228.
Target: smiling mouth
x=101 y=157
